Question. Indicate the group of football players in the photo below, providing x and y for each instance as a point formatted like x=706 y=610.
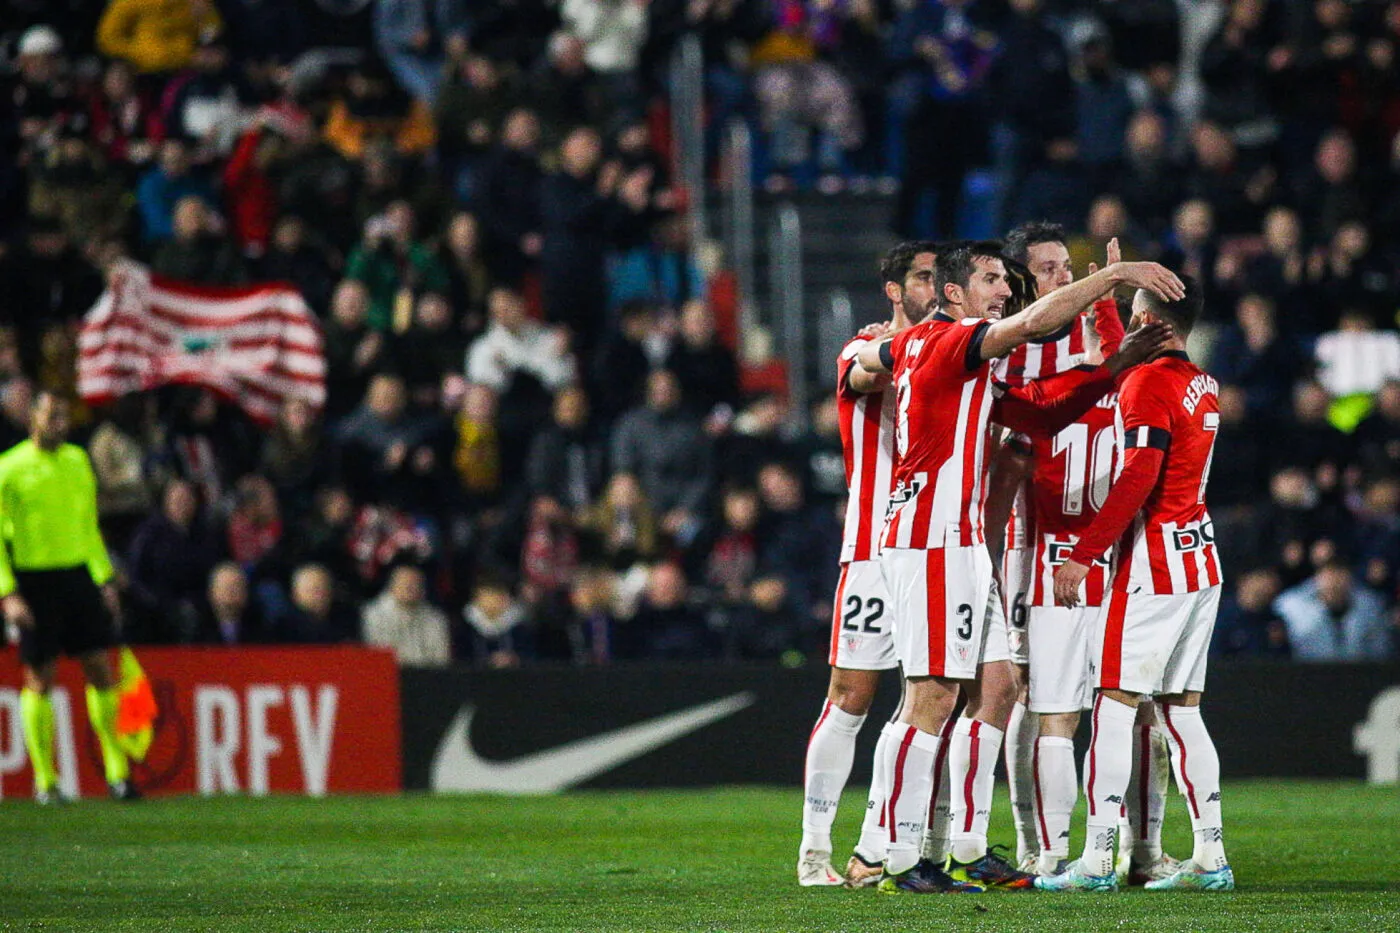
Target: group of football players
x=1027 y=539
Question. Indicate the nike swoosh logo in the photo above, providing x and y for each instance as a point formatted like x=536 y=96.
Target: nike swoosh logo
x=458 y=768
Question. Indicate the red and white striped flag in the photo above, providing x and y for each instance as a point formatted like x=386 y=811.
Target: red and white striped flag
x=256 y=346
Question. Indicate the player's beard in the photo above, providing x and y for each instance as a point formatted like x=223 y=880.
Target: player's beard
x=921 y=314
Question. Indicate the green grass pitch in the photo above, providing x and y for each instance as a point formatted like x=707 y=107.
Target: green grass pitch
x=1308 y=856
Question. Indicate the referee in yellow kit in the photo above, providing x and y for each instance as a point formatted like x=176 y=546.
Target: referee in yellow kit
x=56 y=588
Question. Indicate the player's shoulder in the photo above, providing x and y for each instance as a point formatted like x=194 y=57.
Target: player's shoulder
x=72 y=453
x=851 y=349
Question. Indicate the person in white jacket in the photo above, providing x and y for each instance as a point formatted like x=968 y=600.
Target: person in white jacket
x=401 y=618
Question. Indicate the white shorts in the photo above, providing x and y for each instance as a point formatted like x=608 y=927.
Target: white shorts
x=1060 y=681
x=1017 y=565
x=1154 y=644
x=940 y=598
x=996 y=644
x=862 y=637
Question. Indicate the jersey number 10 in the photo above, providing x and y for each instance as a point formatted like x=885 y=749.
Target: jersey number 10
x=1088 y=466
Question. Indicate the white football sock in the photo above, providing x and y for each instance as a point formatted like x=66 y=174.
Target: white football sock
x=873 y=837
x=1147 y=797
x=830 y=752
x=1021 y=731
x=1107 y=770
x=1198 y=774
x=1057 y=790
x=972 y=763
x=940 y=817
x=909 y=757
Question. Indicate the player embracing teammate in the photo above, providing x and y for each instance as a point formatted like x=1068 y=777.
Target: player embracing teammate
x=1152 y=636
x=950 y=633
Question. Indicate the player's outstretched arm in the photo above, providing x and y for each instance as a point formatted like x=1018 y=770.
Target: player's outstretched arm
x=875 y=357
x=1058 y=308
x=858 y=378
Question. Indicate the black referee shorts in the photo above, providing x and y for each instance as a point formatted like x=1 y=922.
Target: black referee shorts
x=69 y=615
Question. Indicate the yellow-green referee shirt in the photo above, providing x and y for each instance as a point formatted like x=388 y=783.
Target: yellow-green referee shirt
x=48 y=513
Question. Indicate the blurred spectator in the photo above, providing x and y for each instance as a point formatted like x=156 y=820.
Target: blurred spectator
x=1150 y=181
x=228 y=616
x=757 y=437
x=612 y=33
x=515 y=346
x=46 y=282
x=1103 y=108
x=255 y=525
x=291 y=257
x=156 y=35
x=373 y=107
x=1191 y=247
x=621 y=362
x=566 y=92
x=1351 y=273
x=797 y=87
x=1332 y=190
x=1034 y=97
x=1378 y=436
x=477 y=457
x=577 y=213
x=74 y=186
x=509 y=197
x=565 y=462
x=945 y=53
x=387 y=453
x=1356 y=358
x=706 y=368
x=1310 y=440
x=163 y=186
x=354 y=351
x=119 y=451
x=168 y=564
x=206 y=103
x=824 y=465
x=462 y=256
x=1252 y=355
x=548 y=561
x=498 y=635
x=395 y=267
x=1238 y=68
x=324 y=532
x=40 y=95
x=292 y=455
x=1247 y=624
x=125 y=123
x=733 y=555
x=1332 y=618
x=624 y=523
x=315 y=615
x=471 y=107
x=415 y=37
x=196 y=252
x=16 y=398
x=665 y=448
x=1240 y=453
x=1279 y=273
x=429 y=349
x=1217 y=176
x=666 y=625
x=403 y=620
x=1375 y=544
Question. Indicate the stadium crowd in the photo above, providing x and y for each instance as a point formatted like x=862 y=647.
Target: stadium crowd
x=535 y=444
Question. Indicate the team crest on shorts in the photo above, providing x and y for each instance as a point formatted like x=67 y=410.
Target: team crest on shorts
x=962 y=652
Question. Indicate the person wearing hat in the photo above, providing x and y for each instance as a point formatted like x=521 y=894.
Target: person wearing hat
x=41 y=96
x=156 y=35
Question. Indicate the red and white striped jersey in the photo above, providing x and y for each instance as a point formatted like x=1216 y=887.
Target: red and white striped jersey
x=1048 y=356
x=943 y=402
x=1074 y=471
x=867 y=441
x=1170 y=404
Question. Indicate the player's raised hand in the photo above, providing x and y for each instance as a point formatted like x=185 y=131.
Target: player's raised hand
x=1067 y=580
x=1115 y=253
x=1141 y=345
x=1154 y=277
x=877 y=331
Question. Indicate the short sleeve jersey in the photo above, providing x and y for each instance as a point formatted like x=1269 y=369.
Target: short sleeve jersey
x=867 y=442
x=943 y=402
x=1172 y=405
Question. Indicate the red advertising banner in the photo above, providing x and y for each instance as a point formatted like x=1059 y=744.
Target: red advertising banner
x=307 y=720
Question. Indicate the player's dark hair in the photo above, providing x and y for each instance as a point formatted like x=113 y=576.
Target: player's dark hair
x=1019 y=241
x=955 y=266
x=895 y=265
x=1182 y=314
